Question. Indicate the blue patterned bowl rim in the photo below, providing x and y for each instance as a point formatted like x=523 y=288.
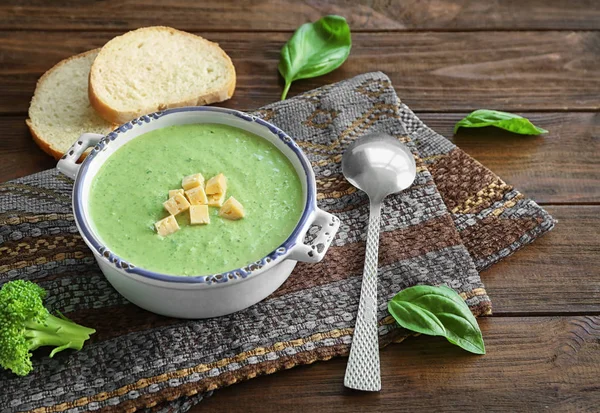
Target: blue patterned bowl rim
x=213 y=279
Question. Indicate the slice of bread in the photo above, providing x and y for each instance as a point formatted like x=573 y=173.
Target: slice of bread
x=155 y=68
x=60 y=110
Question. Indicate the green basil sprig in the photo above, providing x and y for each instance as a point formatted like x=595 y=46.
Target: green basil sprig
x=315 y=49
x=503 y=120
x=437 y=311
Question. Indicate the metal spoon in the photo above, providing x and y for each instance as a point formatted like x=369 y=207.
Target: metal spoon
x=379 y=165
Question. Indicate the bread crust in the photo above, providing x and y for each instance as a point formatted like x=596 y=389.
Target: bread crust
x=46 y=144
x=42 y=143
x=119 y=117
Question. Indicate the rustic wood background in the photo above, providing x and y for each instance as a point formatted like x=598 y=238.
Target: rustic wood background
x=539 y=58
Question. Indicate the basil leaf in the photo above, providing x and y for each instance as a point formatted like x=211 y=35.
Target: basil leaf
x=315 y=49
x=503 y=120
x=437 y=311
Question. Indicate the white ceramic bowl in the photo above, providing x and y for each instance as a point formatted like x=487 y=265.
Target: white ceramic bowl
x=206 y=295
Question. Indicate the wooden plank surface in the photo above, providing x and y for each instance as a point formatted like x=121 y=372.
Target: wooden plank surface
x=532 y=364
x=19 y=155
x=558 y=274
x=442 y=72
x=286 y=15
x=445 y=58
x=559 y=167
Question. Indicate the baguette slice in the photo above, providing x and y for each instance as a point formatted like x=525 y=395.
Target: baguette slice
x=155 y=68
x=60 y=110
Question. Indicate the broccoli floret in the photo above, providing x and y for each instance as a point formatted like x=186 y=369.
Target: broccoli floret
x=25 y=324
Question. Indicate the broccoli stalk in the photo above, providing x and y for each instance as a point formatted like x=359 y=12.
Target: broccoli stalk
x=59 y=332
x=25 y=325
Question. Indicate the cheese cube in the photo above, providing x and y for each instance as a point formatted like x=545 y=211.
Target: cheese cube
x=199 y=214
x=232 y=209
x=216 y=185
x=172 y=192
x=192 y=181
x=196 y=196
x=176 y=204
x=216 y=200
x=166 y=226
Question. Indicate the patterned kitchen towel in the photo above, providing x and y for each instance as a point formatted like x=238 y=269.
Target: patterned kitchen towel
x=456 y=219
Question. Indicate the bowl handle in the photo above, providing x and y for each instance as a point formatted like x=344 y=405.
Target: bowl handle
x=315 y=251
x=68 y=163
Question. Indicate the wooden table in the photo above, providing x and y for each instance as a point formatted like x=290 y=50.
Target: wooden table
x=539 y=58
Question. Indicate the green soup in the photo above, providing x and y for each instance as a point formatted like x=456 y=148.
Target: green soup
x=128 y=191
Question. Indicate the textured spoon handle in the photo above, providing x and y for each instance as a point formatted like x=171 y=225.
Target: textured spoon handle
x=362 y=371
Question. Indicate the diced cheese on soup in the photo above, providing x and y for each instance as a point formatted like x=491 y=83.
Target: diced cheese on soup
x=216 y=200
x=192 y=181
x=176 y=204
x=199 y=214
x=232 y=209
x=166 y=226
x=173 y=192
x=216 y=185
x=196 y=196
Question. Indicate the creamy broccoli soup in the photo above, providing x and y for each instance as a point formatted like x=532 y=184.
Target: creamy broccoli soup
x=127 y=195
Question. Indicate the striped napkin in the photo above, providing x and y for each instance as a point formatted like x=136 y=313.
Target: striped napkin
x=457 y=219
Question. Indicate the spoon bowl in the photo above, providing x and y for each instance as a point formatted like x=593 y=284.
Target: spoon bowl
x=379 y=165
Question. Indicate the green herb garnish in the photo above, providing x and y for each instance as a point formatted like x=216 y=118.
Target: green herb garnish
x=503 y=120
x=315 y=49
x=437 y=311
